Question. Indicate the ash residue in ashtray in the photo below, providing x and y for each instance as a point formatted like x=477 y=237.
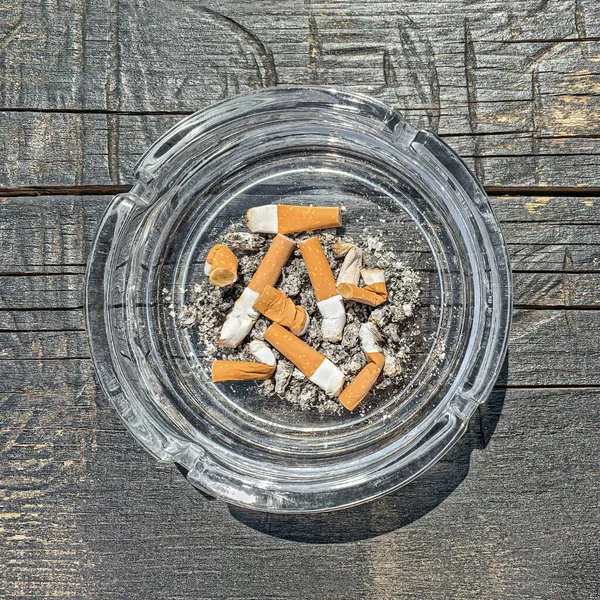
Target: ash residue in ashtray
x=207 y=308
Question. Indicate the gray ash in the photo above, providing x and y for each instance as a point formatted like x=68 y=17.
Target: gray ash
x=208 y=306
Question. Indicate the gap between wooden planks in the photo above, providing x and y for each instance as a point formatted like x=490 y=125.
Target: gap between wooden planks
x=90 y=190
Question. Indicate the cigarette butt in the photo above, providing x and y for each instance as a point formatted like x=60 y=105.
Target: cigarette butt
x=275 y=305
x=282 y=218
x=262 y=353
x=318 y=268
x=320 y=370
x=272 y=264
x=376 y=358
x=340 y=249
x=221 y=265
x=360 y=386
x=242 y=317
x=373 y=276
x=373 y=294
x=240 y=370
x=329 y=302
x=370 y=337
x=334 y=318
x=240 y=320
x=351 y=267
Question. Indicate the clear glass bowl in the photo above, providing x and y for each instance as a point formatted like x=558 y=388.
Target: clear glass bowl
x=296 y=145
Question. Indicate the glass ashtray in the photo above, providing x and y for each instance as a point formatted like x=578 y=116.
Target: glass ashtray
x=296 y=146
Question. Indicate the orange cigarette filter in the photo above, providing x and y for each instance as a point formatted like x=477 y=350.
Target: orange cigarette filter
x=376 y=357
x=318 y=269
x=239 y=370
x=275 y=305
x=373 y=295
x=272 y=264
x=294 y=219
x=282 y=218
x=360 y=386
x=317 y=368
x=305 y=357
x=221 y=265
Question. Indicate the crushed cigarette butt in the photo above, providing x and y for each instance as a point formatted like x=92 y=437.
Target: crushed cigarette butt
x=262 y=353
x=351 y=267
x=277 y=307
x=241 y=370
x=373 y=294
x=340 y=249
x=242 y=317
x=221 y=265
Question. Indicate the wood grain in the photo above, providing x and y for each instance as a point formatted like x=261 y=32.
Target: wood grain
x=511 y=510
x=86 y=513
x=512 y=85
x=86 y=86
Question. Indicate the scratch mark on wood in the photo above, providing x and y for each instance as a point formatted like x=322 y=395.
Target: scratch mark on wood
x=80 y=178
x=83 y=28
x=18 y=424
x=541 y=54
x=389 y=72
x=580 y=27
x=470 y=64
x=266 y=69
x=361 y=51
x=112 y=77
x=12 y=32
x=568 y=289
x=315 y=49
x=419 y=56
x=536 y=111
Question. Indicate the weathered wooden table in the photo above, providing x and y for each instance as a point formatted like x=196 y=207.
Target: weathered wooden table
x=513 y=86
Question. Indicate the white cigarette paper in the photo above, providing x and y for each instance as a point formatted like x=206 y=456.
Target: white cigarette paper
x=263 y=219
x=369 y=337
x=240 y=320
x=262 y=353
x=371 y=276
x=329 y=378
x=350 y=269
x=334 y=318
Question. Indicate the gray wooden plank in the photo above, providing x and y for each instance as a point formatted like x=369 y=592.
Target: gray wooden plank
x=41 y=148
x=44 y=375
x=547 y=348
x=546 y=209
x=513 y=83
x=554 y=347
x=41 y=292
x=42 y=234
x=572 y=290
x=54 y=56
x=43 y=345
x=42 y=320
x=53 y=234
x=506 y=514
